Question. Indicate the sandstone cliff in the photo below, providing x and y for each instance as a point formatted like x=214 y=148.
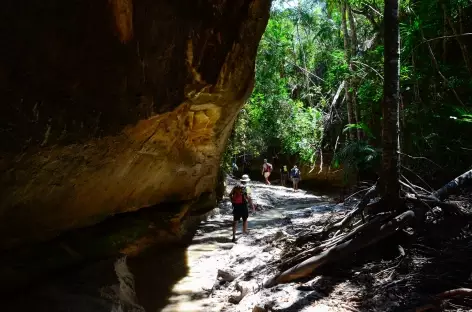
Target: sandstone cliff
x=113 y=106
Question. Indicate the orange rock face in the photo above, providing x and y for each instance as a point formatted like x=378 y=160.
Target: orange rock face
x=114 y=106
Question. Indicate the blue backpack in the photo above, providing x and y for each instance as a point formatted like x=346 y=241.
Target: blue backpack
x=295 y=173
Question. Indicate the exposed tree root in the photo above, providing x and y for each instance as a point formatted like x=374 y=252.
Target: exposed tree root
x=448 y=207
x=332 y=242
x=339 y=251
x=333 y=247
x=459 y=292
x=371 y=193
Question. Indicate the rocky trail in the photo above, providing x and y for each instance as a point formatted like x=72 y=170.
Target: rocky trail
x=218 y=268
x=214 y=274
x=231 y=277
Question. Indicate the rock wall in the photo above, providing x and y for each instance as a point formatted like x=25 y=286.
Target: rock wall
x=112 y=106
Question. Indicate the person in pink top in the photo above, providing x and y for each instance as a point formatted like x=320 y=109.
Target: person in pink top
x=266 y=170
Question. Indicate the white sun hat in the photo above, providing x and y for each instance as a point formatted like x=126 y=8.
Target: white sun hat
x=245 y=178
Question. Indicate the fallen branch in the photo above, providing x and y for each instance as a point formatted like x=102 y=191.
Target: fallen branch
x=374 y=235
x=411 y=188
x=420 y=178
x=300 y=257
x=363 y=227
x=459 y=292
x=316 y=250
x=371 y=193
x=421 y=157
x=450 y=208
x=415 y=186
x=352 y=195
x=338 y=92
x=444 y=191
x=302 y=239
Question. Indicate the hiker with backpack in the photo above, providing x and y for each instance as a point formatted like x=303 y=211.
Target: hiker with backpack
x=234 y=169
x=295 y=176
x=283 y=175
x=240 y=198
x=266 y=170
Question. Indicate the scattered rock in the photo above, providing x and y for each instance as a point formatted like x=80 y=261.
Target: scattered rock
x=305 y=287
x=258 y=308
x=227 y=246
x=226 y=276
x=243 y=291
x=279 y=235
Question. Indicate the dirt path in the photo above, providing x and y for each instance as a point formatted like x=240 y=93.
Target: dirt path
x=185 y=278
x=211 y=250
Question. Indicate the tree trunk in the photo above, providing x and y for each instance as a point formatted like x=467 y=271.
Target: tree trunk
x=305 y=71
x=390 y=109
x=353 y=34
x=352 y=68
x=300 y=45
x=347 y=85
x=444 y=42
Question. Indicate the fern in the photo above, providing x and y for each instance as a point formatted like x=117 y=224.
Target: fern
x=356 y=156
x=361 y=126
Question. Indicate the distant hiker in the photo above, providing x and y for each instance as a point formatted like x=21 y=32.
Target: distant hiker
x=266 y=170
x=240 y=198
x=295 y=176
x=283 y=175
x=234 y=168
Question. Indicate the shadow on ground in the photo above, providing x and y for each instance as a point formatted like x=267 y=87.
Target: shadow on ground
x=156 y=271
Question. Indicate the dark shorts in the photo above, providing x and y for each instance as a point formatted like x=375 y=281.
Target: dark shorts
x=240 y=211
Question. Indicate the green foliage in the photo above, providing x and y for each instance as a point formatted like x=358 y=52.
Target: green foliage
x=464 y=115
x=361 y=126
x=357 y=156
x=301 y=63
x=288 y=105
x=304 y=135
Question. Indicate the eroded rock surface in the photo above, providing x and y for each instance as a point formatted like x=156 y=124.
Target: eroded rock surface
x=112 y=106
